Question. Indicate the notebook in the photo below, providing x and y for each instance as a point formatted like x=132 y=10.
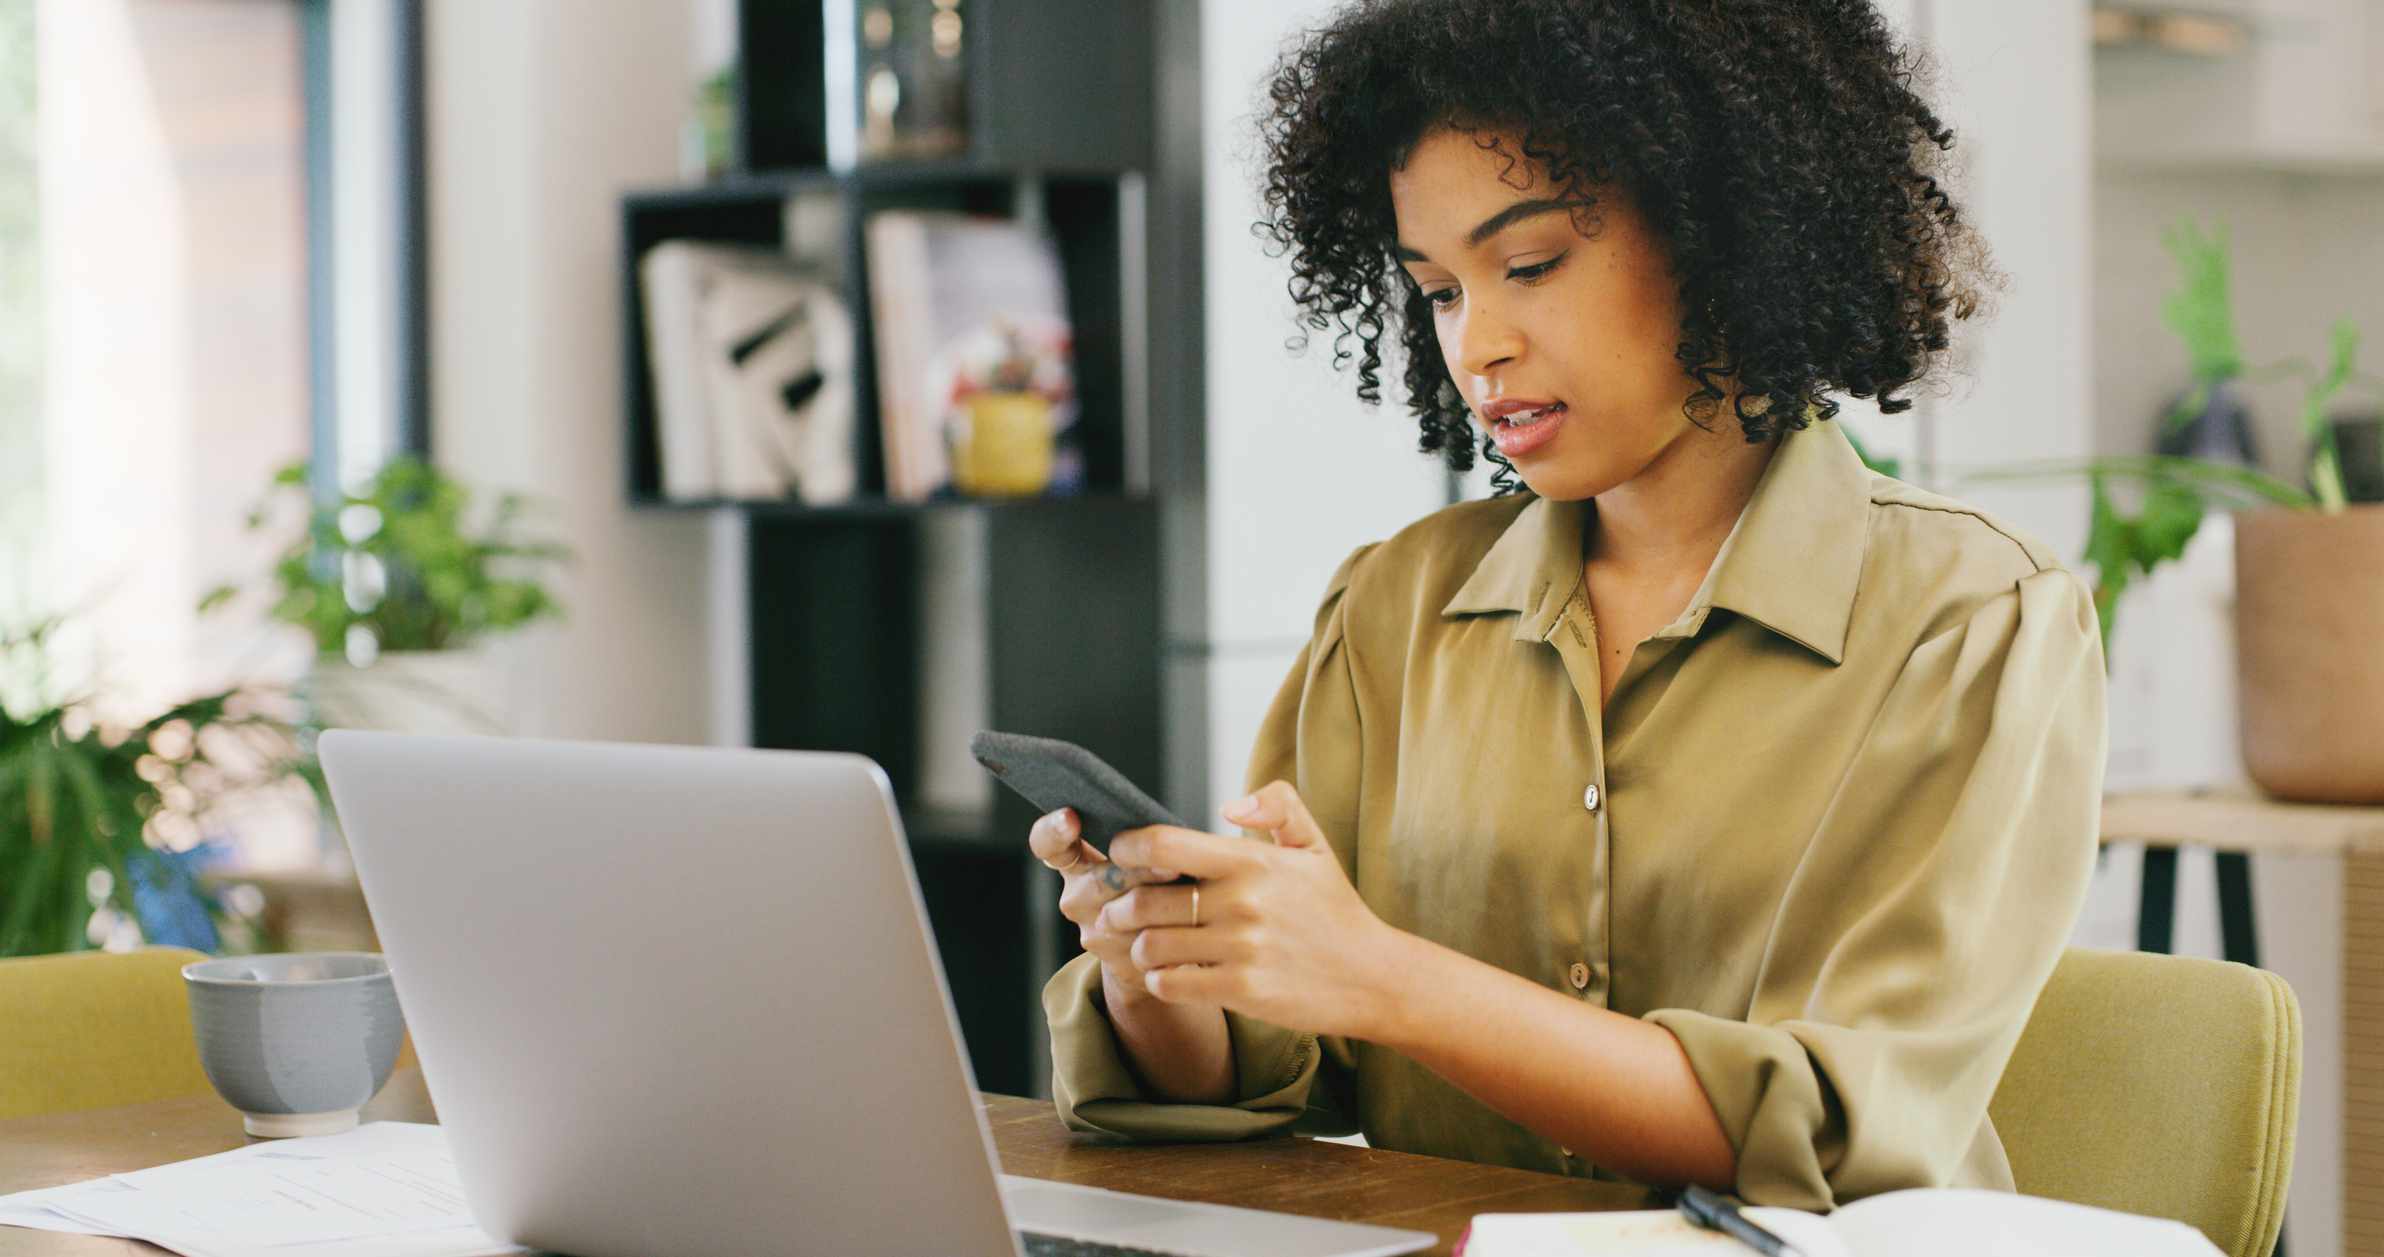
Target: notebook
x=1950 y=1222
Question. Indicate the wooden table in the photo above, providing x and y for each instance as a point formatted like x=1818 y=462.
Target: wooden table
x=1325 y=1180
x=2236 y=822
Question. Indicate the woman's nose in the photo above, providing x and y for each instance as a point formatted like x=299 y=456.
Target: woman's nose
x=1486 y=340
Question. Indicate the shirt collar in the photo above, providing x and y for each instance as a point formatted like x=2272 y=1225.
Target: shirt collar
x=1791 y=562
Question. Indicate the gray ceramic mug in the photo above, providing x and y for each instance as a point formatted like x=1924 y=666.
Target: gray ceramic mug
x=297 y=1043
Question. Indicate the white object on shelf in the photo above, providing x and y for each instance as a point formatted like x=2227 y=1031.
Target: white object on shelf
x=729 y=328
x=466 y=691
x=2169 y=28
x=2303 y=97
x=463 y=691
x=669 y=276
x=2172 y=685
x=764 y=331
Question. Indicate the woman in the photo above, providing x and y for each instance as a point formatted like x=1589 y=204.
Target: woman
x=1713 y=810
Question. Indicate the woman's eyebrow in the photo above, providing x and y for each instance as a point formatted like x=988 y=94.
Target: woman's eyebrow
x=1489 y=227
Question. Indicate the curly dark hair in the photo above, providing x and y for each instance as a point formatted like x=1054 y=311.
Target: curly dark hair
x=1778 y=147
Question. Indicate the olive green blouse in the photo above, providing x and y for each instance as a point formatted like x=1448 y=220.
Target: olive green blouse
x=1831 y=831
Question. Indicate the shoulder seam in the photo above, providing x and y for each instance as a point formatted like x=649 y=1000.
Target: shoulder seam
x=1969 y=513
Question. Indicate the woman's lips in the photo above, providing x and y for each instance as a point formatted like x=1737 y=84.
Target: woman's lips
x=1517 y=439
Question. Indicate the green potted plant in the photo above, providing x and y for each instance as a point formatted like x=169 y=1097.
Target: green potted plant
x=403 y=588
x=2308 y=588
x=99 y=822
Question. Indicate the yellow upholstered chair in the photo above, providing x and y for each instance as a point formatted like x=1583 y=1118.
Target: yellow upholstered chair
x=90 y=1030
x=2160 y=1085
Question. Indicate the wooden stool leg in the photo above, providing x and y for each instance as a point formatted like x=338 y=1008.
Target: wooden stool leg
x=2156 y=911
x=2242 y=940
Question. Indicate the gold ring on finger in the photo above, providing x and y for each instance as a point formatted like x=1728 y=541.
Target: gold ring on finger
x=1196 y=904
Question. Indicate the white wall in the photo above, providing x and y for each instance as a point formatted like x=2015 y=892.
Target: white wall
x=1299 y=471
x=2016 y=90
x=540 y=113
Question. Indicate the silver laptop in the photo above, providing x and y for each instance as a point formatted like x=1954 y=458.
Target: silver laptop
x=683 y=1000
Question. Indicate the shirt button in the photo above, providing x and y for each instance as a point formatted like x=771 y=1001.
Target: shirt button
x=1579 y=974
x=1591 y=797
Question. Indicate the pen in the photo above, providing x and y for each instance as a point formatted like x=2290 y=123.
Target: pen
x=1709 y=1210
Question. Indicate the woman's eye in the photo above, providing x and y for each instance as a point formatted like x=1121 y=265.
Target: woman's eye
x=1443 y=298
x=1536 y=269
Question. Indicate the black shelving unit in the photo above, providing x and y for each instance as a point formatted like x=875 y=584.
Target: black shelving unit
x=1061 y=108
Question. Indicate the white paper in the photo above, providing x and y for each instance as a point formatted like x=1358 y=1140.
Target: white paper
x=1640 y=1233
x=387 y=1189
x=1974 y=1223
x=1944 y=1223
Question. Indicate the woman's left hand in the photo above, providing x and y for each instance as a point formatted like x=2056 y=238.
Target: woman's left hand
x=1281 y=936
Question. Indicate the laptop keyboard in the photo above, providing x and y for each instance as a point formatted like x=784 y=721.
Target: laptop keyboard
x=1061 y=1246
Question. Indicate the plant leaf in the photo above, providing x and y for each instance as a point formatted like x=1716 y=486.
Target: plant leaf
x=2221 y=484
x=1891 y=467
x=2172 y=514
x=2326 y=457
x=2201 y=310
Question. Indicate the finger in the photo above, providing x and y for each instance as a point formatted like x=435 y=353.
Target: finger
x=1114 y=879
x=1192 y=984
x=1161 y=946
x=1057 y=841
x=1114 y=950
x=1277 y=808
x=1082 y=899
x=1146 y=906
x=1186 y=851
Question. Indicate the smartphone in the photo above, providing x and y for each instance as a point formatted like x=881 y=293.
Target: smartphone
x=1052 y=774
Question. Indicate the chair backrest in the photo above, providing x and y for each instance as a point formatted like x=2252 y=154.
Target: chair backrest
x=2161 y=1085
x=89 y=1030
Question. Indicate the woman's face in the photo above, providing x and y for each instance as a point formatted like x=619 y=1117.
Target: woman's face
x=1529 y=310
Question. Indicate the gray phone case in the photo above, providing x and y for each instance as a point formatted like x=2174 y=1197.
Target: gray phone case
x=1052 y=774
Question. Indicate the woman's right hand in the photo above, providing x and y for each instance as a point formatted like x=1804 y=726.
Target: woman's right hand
x=1181 y=1052
x=1089 y=880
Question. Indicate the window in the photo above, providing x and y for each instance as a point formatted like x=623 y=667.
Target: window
x=208 y=269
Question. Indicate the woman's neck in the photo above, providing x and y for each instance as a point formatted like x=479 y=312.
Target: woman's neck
x=1674 y=516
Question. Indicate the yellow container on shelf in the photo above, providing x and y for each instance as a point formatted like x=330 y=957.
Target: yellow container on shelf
x=1004 y=447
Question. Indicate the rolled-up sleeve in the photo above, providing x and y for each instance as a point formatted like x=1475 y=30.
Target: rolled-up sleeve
x=1284 y=1079
x=1924 y=917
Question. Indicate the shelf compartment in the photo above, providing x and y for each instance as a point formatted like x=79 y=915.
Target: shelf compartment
x=1031 y=64
x=1088 y=215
